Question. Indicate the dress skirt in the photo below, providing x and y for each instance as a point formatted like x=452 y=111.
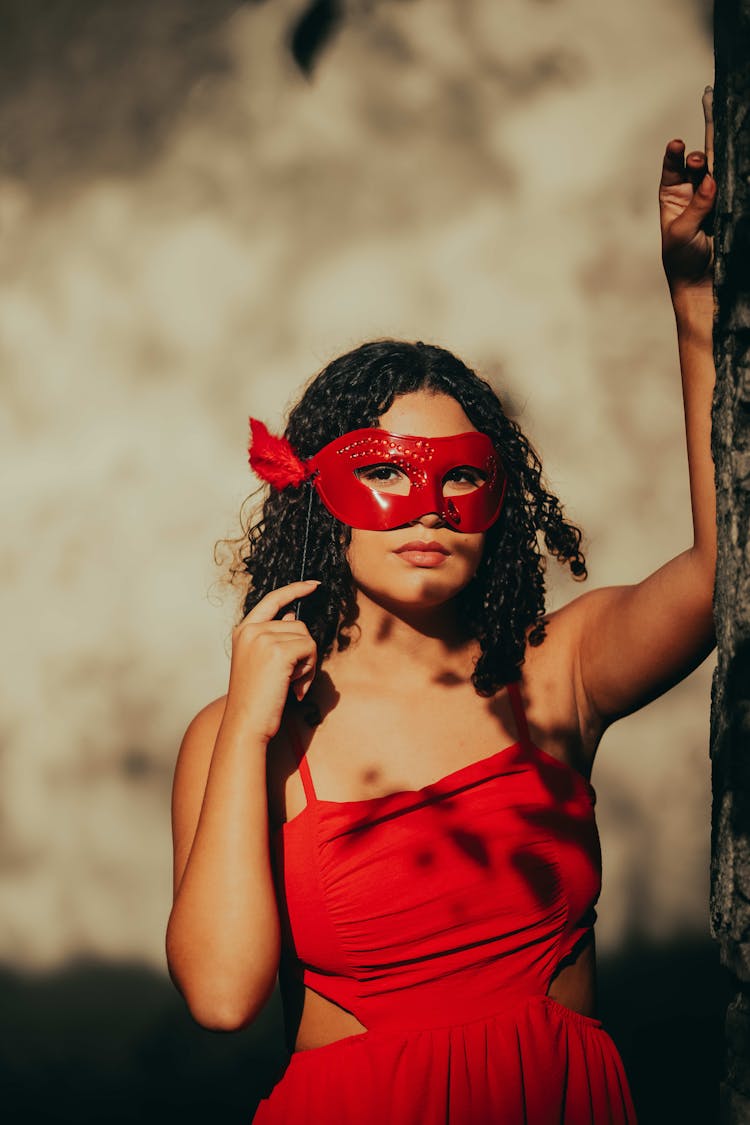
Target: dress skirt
x=536 y=1063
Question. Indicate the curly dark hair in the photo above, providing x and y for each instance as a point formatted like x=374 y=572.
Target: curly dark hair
x=507 y=594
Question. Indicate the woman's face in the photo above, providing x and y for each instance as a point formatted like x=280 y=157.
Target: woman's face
x=448 y=560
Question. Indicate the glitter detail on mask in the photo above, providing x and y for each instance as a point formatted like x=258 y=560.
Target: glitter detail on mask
x=420 y=450
x=408 y=458
x=490 y=471
x=451 y=511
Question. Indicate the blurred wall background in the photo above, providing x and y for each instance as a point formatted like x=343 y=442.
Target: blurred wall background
x=200 y=205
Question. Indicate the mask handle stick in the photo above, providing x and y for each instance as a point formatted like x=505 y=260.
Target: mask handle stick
x=304 y=547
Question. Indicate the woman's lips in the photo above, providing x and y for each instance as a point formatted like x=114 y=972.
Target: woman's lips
x=423 y=554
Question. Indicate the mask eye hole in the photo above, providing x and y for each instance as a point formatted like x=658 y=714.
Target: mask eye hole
x=384 y=477
x=462 y=479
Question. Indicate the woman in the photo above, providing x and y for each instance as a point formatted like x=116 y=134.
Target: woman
x=407 y=836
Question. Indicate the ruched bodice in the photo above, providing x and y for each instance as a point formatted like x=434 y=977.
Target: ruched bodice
x=436 y=908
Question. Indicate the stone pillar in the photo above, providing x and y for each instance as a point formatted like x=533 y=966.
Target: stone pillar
x=730 y=711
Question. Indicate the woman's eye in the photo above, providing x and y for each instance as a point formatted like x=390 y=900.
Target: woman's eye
x=384 y=478
x=466 y=476
x=379 y=473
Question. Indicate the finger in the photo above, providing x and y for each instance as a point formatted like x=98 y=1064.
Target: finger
x=285 y=628
x=708 y=115
x=673 y=165
x=304 y=672
x=695 y=167
x=291 y=624
x=297 y=651
x=303 y=681
x=275 y=600
x=694 y=217
x=303 y=675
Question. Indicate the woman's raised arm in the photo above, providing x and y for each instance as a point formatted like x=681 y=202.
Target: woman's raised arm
x=631 y=643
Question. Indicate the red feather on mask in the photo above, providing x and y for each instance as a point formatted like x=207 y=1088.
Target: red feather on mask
x=273 y=459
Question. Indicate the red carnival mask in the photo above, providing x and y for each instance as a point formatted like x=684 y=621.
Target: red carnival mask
x=376 y=480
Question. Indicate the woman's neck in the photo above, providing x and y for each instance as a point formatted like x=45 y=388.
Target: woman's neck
x=402 y=642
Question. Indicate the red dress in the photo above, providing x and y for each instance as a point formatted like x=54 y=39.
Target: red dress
x=437 y=917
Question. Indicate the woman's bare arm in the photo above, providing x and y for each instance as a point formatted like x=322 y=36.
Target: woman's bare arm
x=635 y=642
x=223 y=936
x=631 y=643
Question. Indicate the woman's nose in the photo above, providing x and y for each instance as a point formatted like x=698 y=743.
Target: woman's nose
x=431 y=519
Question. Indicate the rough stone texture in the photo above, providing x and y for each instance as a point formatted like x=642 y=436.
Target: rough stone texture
x=730 y=718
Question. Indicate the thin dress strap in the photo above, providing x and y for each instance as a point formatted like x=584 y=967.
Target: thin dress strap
x=518 y=713
x=301 y=756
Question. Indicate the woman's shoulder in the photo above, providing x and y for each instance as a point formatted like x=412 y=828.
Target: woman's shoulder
x=206 y=721
x=552 y=691
x=200 y=736
x=197 y=744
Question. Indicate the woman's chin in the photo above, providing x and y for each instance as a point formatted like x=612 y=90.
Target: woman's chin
x=422 y=590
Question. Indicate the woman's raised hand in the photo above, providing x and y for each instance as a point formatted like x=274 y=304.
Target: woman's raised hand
x=685 y=207
x=269 y=656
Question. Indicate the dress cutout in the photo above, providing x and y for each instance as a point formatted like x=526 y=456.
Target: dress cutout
x=438 y=917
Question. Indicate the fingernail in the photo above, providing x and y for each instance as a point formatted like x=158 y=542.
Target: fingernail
x=705 y=185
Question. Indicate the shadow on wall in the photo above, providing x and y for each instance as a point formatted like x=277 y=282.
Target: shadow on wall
x=96 y=1043
x=94 y=88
